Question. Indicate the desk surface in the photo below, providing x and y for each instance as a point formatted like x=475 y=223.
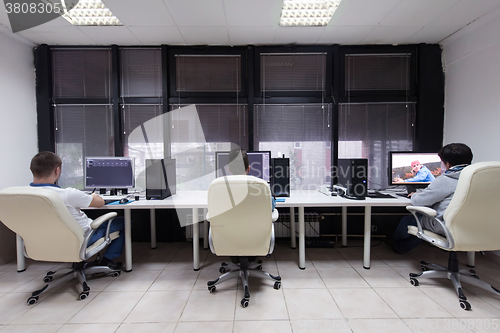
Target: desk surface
x=308 y=198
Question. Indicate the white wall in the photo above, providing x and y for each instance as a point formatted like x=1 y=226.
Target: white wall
x=18 y=131
x=472 y=93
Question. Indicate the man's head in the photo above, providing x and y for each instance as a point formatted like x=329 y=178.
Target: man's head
x=416 y=166
x=455 y=154
x=238 y=163
x=45 y=165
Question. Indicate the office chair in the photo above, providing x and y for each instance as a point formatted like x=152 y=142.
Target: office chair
x=471 y=223
x=50 y=233
x=241 y=226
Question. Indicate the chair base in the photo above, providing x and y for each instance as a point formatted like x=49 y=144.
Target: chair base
x=80 y=271
x=455 y=275
x=243 y=269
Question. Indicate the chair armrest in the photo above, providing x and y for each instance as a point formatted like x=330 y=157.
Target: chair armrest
x=449 y=243
x=207 y=217
x=275 y=215
x=98 y=221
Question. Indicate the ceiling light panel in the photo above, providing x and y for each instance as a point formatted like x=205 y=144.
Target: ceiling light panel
x=307 y=12
x=90 y=12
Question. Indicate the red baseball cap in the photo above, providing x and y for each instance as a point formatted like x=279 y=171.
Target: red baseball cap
x=414 y=162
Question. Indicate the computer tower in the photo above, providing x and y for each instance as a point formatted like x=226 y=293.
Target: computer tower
x=280 y=177
x=160 y=178
x=352 y=174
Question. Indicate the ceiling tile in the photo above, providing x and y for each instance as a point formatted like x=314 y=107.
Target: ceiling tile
x=299 y=35
x=195 y=13
x=431 y=35
x=416 y=13
x=362 y=12
x=465 y=12
x=251 y=35
x=345 y=35
x=205 y=35
x=119 y=35
x=390 y=35
x=158 y=35
x=262 y=13
x=57 y=36
x=140 y=13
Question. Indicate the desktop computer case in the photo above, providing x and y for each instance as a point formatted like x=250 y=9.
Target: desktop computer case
x=353 y=175
x=280 y=177
x=160 y=178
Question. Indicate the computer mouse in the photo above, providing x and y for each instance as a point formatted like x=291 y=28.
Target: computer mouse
x=124 y=201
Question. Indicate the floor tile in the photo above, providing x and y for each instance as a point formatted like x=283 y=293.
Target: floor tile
x=320 y=326
x=12 y=306
x=117 y=304
x=31 y=328
x=411 y=303
x=275 y=326
x=137 y=280
x=175 y=279
x=294 y=278
x=147 y=327
x=342 y=278
x=86 y=328
x=200 y=306
x=327 y=259
x=362 y=303
x=311 y=304
x=379 y=326
x=447 y=325
x=265 y=303
x=382 y=277
x=208 y=327
x=159 y=307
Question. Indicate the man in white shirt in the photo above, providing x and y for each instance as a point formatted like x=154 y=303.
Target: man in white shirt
x=46 y=169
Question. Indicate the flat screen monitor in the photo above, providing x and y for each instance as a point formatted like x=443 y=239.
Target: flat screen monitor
x=260 y=164
x=413 y=168
x=109 y=172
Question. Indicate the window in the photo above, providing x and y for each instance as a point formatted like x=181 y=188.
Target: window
x=82 y=130
x=302 y=133
x=371 y=130
x=140 y=72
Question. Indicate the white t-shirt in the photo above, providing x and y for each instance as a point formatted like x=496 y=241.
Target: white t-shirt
x=74 y=200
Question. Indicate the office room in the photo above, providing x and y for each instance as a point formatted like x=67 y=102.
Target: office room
x=447 y=55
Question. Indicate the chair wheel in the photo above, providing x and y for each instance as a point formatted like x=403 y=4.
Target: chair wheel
x=277 y=285
x=83 y=295
x=115 y=274
x=424 y=268
x=47 y=279
x=414 y=282
x=259 y=262
x=32 y=300
x=465 y=305
x=244 y=302
x=222 y=270
x=224 y=264
x=212 y=289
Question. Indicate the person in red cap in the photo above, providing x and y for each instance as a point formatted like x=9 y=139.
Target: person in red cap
x=421 y=172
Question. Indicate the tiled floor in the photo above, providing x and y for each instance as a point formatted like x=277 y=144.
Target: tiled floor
x=333 y=294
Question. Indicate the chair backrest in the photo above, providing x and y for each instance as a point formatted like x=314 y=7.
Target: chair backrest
x=473 y=215
x=240 y=216
x=39 y=216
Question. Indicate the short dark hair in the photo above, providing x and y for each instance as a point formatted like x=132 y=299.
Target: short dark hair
x=44 y=163
x=233 y=167
x=456 y=154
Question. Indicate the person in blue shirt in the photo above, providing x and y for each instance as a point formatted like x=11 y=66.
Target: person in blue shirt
x=421 y=172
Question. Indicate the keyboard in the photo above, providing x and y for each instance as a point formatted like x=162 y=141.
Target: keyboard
x=379 y=195
x=112 y=198
x=401 y=194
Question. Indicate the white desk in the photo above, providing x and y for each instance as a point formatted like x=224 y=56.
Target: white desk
x=198 y=199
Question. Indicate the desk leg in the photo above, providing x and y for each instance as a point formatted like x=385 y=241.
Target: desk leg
x=128 y=240
x=293 y=238
x=21 y=265
x=471 y=256
x=367 y=237
x=344 y=225
x=205 y=230
x=302 y=241
x=152 y=217
x=196 y=241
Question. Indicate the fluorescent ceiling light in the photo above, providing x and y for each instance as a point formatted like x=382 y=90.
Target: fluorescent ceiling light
x=89 y=12
x=307 y=12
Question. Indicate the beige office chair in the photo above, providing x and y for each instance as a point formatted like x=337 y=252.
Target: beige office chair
x=471 y=223
x=50 y=233
x=241 y=226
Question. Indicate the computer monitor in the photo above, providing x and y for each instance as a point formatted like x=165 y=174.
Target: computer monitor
x=260 y=164
x=109 y=172
x=413 y=168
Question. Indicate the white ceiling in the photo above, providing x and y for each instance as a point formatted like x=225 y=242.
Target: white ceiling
x=242 y=22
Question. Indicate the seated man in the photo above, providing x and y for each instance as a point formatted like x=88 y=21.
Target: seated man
x=46 y=169
x=455 y=157
x=235 y=166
